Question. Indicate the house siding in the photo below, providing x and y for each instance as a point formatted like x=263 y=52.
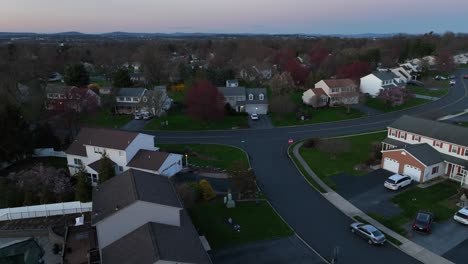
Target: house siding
x=142 y=141
x=403 y=159
x=124 y=221
x=371 y=85
x=428 y=172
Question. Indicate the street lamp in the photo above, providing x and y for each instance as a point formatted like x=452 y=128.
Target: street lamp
x=186 y=160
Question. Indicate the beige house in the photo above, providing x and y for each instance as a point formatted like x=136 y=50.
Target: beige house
x=315 y=97
x=340 y=91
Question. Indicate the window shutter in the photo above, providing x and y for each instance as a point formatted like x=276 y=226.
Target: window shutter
x=433 y=143
x=450 y=148
x=419 y=138
x=413 y=137
x=441 y=144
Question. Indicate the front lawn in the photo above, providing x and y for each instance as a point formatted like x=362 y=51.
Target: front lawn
x=325 y=165
x=217 y=156
x=437 y=199
x=315 y=116
x=380 y=105
x=257 y=222
x=181 y=121
x=104 y=118
x=177 y=96
x=440 y=92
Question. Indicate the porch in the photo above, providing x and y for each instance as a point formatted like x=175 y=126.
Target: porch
x=457 y=173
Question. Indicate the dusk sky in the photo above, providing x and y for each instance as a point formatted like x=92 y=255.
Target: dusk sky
x=234 y=16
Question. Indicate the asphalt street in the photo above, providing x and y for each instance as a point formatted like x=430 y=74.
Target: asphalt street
x=315 y=220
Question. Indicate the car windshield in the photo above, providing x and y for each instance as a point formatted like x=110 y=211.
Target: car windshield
x=391 y=181
x=377 y=233
x=423 y=217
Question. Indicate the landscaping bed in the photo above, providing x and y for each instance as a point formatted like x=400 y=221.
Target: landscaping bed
x=382 y=106
x=359 y=149
x=209 y=155
x=258 y=221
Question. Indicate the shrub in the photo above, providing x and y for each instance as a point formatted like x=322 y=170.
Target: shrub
x=311 y=143
x=189 y=193
x=206 y=190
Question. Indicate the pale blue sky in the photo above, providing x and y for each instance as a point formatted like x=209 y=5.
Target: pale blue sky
x=235 y=16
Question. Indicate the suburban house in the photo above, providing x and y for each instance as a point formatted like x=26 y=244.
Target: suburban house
x=402 y=73
x=127 y=150
x=128 y=100
x=461 y=58
x=138 y=218
x=372 y=84
x=156 y=101
x=425 y=149
x=60 y=98
x=315 y=97
x=232 y=83
x=340 y=90
x=241 y=99
x=413 y=69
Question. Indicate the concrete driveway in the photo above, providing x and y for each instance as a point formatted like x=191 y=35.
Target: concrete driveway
x=444 y=237
x=278 y=251
x=263 y=122
x=458 y=253
x=135 y=125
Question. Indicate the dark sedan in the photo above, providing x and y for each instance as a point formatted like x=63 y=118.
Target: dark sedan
x=423 y=222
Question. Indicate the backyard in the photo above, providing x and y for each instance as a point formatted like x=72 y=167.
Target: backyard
x=326 y=164
x=217 y=156
x=258 y=221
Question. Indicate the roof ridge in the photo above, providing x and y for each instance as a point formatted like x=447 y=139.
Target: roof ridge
x=154 y=241
x=134 y=188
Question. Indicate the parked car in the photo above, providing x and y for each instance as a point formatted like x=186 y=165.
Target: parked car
x=452 y=77
x=368 y=232
x=397 y=181
x=137 y=116
x=438 y=78
x=147 y=116
x=465 y=77
x=254 y=116
x=462 y=216
x=423 y=221
x=452 y=82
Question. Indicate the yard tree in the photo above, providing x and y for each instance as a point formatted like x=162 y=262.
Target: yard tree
x=154 y=101
x=15 y=136
x=445 y=62
x=205 y=102
x=188 y=193
x=354 y=71
x=121 y=78
x=154 y=59
x=76 y=75
x=282 y=84
x=298 y=71
x=394 y=96
x=317 y=55
x=106 y=168
x=206 y=190
x=82 y=187
x=282 y=104
x=243 y=180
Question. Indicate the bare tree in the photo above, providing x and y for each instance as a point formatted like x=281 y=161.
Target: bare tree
x=282 y=84
x=155 y=101
x=282 y=104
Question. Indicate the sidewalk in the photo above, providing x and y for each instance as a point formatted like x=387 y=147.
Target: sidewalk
x=416 y=251
x=426 y=97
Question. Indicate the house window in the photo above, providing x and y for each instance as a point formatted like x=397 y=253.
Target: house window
x=121 y=99
x=128 y=99
x=261 y=97
x=466 y=152
x=438 y=144
x=403 y=135
x=134 y=99
x=120 y=168
x=393 y=133
x=77 y=162
x=435 y=170
x=454 y=149
x=417 y=138
x=94 y=178
x=250 y=97
x=145 y=99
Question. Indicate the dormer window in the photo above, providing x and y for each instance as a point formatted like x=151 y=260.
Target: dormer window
x=250 y=97
x=261 y=97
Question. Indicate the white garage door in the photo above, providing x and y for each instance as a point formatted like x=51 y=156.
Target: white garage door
x=413 y=172
x=260 y=109
x=391 y=165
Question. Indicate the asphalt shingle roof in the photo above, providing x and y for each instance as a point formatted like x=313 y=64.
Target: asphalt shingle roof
x=153 y=242
x=148 y=160
x=424 y=153
x=336 y=83
x=131 y=92
x=385 y=75
x=433 y=129
x=129 y=187
x=232 y=91
x=100 y=137
x=256 y=96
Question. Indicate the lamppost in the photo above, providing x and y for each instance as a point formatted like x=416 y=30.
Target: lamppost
x=186 y=160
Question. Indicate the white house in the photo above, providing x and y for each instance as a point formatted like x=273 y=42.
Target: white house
x=402 y=73
x=461 y=58
x=125 y=149
x=376 y=81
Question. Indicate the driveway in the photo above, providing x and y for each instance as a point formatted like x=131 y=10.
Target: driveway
x=458 y=253
x=285 y=250
x=135 y=125
x=263 y=122
x=444 y=237
x=368 y=193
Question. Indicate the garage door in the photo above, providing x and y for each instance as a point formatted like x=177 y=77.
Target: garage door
x=413 y=172
x=260 y=109
x=391 y=165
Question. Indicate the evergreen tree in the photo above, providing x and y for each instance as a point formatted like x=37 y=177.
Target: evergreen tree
x=83 y=187
x=121 y=79
x=106 y=168
x=76 y=75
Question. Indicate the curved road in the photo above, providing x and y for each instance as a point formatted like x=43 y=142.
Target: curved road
x=313 y=218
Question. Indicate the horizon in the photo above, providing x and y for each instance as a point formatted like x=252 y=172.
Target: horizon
x=242 y=17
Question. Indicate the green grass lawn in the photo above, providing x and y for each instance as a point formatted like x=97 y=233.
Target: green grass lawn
x=181 y=121
x=104 y=118
x=380 y=105
x=218 y=156
x=435 y=199
x=177 y=96
x=425 y=91
x=316 y=116
x=257 y=222
x=100 y=81
x=324 y=165
x=303 y=171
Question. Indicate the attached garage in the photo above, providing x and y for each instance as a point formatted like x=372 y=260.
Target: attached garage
x=260 y=109
x=391 y=165
x=413 y=172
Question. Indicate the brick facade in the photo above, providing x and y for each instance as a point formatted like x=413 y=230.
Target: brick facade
x=403 y=159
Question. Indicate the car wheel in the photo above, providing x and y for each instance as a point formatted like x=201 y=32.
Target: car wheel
x=352 y=230
x=369 y=241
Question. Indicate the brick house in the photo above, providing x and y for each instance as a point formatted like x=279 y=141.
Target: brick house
x=424 y=149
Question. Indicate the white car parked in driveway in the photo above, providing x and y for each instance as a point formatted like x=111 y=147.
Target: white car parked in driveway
x=397 y=181
x=254 y=116
x=462 y=216
x=452 y=82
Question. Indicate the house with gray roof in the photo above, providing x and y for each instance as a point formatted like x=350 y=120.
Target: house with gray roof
x=425 y=149
x=249 y=100
x=127 y=100
x=373 y=83
x=161 y=232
